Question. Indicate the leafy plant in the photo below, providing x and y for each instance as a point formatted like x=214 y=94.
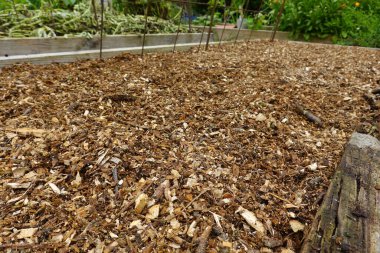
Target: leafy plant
x=257 y=22
x=360 y=28
x=206 y=19
x=347 y=21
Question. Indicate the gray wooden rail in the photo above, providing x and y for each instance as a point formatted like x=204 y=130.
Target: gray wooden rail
x=349 y=218
x=26 y=46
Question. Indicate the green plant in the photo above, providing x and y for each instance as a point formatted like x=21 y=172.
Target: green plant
x=50 y=22
x=360 y=29
x=206 y=19
x=347 y=21
x=257 y=22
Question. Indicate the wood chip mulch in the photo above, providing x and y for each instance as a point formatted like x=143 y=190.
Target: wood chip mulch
x=229 y=150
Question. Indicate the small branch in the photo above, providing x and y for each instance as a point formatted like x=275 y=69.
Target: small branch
x=278 y=197
x=33 y=246
x=197 y=197
x=371 y=101
x=203 y=239
x=149 y=248
x=311 y=117
x=376 y=91
x=134 y=198
x=159 y=192
x=130 y=245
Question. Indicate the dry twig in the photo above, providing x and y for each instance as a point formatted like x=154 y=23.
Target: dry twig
x=203 y=239
x=371 y=101
x=311 y=117
x=278 y=197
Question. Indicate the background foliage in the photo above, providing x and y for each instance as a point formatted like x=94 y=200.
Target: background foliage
x=345 y=21
x=349 y=22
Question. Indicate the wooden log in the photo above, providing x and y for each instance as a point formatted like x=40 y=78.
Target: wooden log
x=349 y=218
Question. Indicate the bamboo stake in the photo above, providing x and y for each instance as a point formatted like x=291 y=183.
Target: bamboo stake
x=211 y=23
x=278 y=21
x=101 y=28
x=189 y=14
x=179 y=27
x=250 y=34
x=225 y=24
x=242 y=19
x=145 y=28
x=203 y=31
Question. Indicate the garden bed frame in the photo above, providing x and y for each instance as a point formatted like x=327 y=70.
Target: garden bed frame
x=348 y=220
x=49 y=50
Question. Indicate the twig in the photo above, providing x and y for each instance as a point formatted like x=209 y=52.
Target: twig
x=376 y=90
x=149 y=248
x=197 y=197
x=134 y=199
x=31 y=246
x=30 y=188
x=203 y=239
x=159 y=192
x=130 y=245
x=311 y=117
x=115 y=178
x=84 y=232
x=278 y=197
x=371 y=101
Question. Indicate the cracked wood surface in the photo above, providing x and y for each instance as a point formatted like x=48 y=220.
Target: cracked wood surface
x=349 y=218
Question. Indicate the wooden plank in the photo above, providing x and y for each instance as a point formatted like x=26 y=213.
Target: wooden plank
x=24 y=46
x=244 y=34
x=349 y=218
x=63 y=57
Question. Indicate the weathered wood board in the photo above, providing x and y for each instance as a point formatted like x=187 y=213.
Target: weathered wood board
x=63 y=57
x=245 y=34
x=25 y=46
x=349 y=218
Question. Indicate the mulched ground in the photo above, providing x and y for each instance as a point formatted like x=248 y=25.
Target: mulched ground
x=185 y=152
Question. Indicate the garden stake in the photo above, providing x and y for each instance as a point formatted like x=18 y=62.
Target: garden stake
x=189 y=14
x=278 y=21
x=203 y=31
x=211 y=23
x=250 y=34
x=225 y=24
x=145 y=28
x=101 y=28
x=242 y=19
x=179 y=26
